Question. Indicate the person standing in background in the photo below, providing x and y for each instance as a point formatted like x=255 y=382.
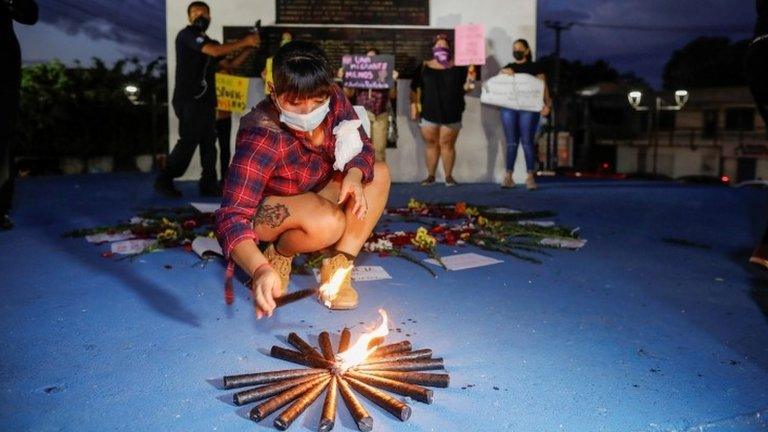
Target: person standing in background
x=376 y=103
x=224 y=118
x=520 y=126
x=266 y=74
x=442 y=88
x=194 y=101
x=24 y=12
x=756 y=68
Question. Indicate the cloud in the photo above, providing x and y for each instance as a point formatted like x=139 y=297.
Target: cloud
x=632 y=46
x=137 y=24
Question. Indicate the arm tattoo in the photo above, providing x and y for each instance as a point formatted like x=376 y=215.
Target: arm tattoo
x=271 y=215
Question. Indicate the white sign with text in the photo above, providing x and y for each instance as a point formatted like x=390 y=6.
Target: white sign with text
x=520 y=91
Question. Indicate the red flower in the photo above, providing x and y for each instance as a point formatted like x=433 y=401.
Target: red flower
x=450 y=238
x=437 y=229
x=188 y=247
x=189 y=224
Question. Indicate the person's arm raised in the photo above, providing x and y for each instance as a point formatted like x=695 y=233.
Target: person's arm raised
x=219 y=50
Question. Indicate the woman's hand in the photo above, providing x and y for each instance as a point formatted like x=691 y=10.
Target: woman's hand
x=266 y=286
x=507 y=71
x=352 y=185
x=546 y=110
x=414 y=112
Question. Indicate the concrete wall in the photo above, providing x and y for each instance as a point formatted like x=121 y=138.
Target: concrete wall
x=480 y=147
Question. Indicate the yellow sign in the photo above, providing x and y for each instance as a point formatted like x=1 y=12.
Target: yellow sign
x=231 y=92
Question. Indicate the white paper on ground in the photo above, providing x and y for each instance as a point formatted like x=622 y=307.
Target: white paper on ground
x=363 y=274
x=465 y=261
x=105 y=237
x=205 y=207
x=564 y=243
x=537 y=223
x=202 y=245
x=128 y=247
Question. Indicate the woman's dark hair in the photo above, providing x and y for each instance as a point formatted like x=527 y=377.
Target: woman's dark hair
x=524 y=43
x=375 y=51
x=442 y=36
x=300 y=70
x=197 y=4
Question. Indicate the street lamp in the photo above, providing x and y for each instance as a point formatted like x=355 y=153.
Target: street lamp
x=635 y=98
x=132 y=92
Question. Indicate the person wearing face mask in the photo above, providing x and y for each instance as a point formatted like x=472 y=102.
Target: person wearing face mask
x=443 y=86
x=376 y=103
x=303 y=178
x=520 y=126
x=194 y=100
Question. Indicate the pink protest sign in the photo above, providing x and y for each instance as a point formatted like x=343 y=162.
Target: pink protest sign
x=470 y=45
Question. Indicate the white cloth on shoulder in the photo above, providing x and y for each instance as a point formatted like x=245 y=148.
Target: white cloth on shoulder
x=348 y=142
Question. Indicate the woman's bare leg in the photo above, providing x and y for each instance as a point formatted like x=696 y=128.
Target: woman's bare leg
x=430 y=135
x=357 y=231
x=300 y=223
x=447 y=140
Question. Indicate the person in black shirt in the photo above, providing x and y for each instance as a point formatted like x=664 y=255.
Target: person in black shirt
x=194 y=100
x=443 y=86
x=756 y=68
x=520 y=126
x=25 y=12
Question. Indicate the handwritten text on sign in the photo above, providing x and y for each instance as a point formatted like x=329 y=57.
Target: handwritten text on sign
x=368 y=72
x=231 y=92
x=470 y=45
x=519 y=91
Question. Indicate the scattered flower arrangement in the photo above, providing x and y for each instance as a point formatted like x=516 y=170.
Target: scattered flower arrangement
x=515 y=233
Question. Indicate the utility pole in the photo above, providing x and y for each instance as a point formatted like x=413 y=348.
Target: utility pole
x=558 y=27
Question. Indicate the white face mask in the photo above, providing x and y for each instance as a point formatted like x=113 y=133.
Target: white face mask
x=305 y=122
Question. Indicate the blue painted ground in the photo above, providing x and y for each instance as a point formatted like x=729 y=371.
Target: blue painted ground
x=628 y=334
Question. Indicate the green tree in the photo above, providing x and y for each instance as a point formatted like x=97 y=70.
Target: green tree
x=83 y=111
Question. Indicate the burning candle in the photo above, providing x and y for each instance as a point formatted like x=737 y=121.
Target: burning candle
x=408 y=355
x=324 y=339
x=299 y=406
x=413 y=391
x=392 y=405
x=245 y=380
x=405 y=366
x=358 y=352
x=363 y=420
x=328 y=418
x=263 y=392
x=346 y=335
x=260 y=412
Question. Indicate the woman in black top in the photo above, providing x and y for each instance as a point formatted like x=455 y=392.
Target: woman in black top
x=443 y=86
x=520 y=126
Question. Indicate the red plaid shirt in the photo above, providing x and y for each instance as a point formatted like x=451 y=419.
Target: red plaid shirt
x=272 y=159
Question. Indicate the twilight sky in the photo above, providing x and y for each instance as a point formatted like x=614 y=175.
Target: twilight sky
x=632 y=35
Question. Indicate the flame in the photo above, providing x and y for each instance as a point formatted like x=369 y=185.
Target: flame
x=329 y=290
x=358 y=352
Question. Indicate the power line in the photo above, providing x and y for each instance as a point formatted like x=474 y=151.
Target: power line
x=663 y=28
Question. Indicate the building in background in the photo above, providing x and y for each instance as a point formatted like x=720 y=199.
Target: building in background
x=718 y=133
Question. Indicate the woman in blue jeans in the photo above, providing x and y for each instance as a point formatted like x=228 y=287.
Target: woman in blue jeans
x=520 y=126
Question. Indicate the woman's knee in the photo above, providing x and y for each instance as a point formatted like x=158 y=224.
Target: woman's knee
x=381 y=175
x=328 y=223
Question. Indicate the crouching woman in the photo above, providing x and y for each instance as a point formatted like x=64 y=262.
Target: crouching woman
x=303 y=179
